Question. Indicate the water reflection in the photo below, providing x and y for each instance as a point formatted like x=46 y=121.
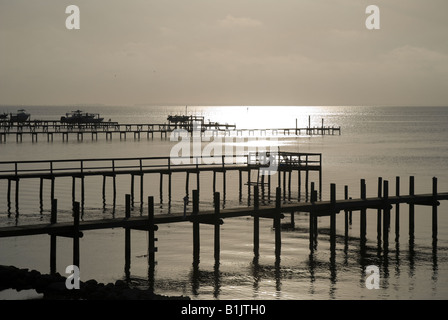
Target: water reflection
x=322 y=268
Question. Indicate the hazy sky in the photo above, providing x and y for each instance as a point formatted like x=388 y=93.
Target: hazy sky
x=224 y=52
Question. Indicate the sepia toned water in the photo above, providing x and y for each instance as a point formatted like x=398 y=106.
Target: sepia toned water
x=375 y=142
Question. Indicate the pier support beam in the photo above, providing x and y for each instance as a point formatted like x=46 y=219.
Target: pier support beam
x=397 y=210
x=386 y=217
x=217 y=248
x=53 y=220
x=411 y=209
x=434 y=210
x=313 y=220
x=127 y=238
x=378 y=224
x=277 y=224
x=152 y=249
x=363 y=220
x=346 y=217
x=16 y=194
x=256 y=223
x=76 y=234
x=333 y=217
x=196 y=234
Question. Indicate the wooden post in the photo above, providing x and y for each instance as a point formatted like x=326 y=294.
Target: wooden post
x=363 y=213
x=315 y=220
x=277 y=226
x=76 y=234
x=289 y=185
x=386 y=218
x=196 y=241
x=411 y=208
x=114 y=185
x=41 y=191
x=17 y=196
x=132 y=189
x=82 y=193
x=248 y=183
x=197 y=176
x=53 y=220
x=161 y=188
x=151 y=238
x=309 y=124
x=312 y=225
x=333 y=216
x=256 y=223
x=216 y=200
x=127 y=237
x=269 y=187
x=306 y=179
x=346 y=214
x=434 y=210
x=187 y=182
x=223 y=178
x=104 y=189
x=311 y=229
x=378 y=221
x=263 y=173
x=284 y=185
x=169 y=186
x=240 y=186
x=73 y=189
x=320 y=177
x=9 y=193
x=397 y=209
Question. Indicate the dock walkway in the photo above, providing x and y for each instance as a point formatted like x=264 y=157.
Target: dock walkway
x=50 y=128
x=382 y=205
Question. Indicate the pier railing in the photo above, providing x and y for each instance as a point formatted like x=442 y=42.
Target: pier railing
x=98 y=166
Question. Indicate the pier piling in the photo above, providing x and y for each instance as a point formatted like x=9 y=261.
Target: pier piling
x=434 y=210
x=127 y=236
x=277 y=224
x=386 y=216
x=76 y=234
x=196 y=235
x=53 y=220
x=152 y=249
x=378 y=225
x=397 y=210
x=216 y=200
x=333 y=216
x=363 y=220
x=256 y=223
x=411 y=209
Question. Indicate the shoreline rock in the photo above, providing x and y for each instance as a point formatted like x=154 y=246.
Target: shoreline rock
x=53 y=287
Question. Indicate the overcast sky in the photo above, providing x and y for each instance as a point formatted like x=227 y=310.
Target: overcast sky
x=224 y=52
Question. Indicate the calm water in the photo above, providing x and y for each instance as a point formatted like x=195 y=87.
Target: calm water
x=375 y=142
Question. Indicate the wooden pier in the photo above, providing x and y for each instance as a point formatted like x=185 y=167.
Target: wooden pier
x=264 y=164
x=383 y=205
x=49 y=128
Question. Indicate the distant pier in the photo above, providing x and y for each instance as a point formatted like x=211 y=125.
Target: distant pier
x=47 y=129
